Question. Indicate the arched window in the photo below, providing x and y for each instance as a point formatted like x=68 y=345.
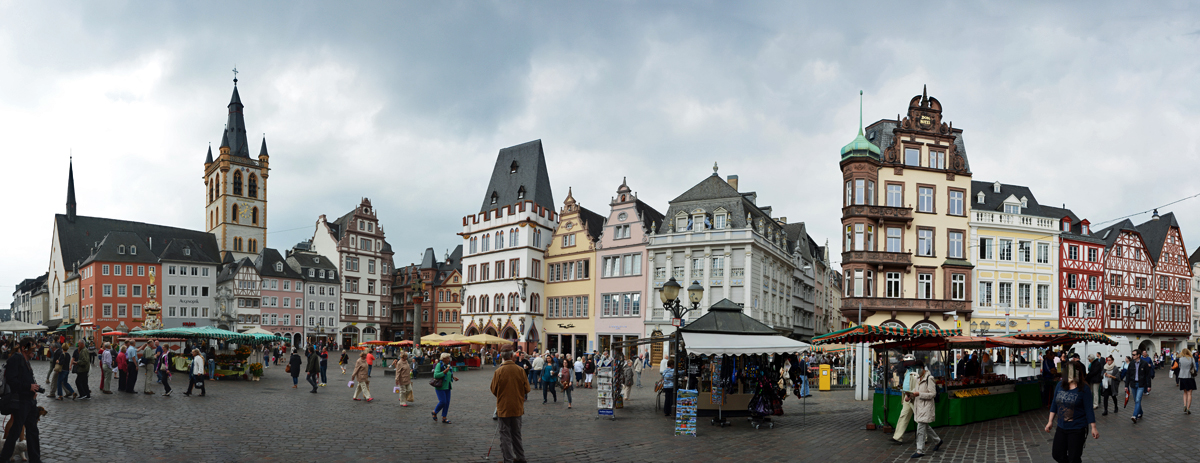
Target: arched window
x=252 y=186
x=454 y=297
x=234 y=212
x=495 y=197
x=471 y=304
x=499 y=303
x=535 y=304
x=514 y=238
x=237 y=243
x=254 y=215
x=500 y=240
x=483 y=304
x=253 y=245
x=237 y=182
x=210 y=191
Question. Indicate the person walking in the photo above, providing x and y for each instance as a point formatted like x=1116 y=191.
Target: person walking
x=106 y=368
x=535 y=371
x=81 y=364
x=403 y=378
x=324 y=365
x=53 y=371
x=196 y=374
x=924 y=409
x=509 y=386
x=445 y=372
x=18 y=376
x=1095 y=376
x=1186 y=366
x=549 y=376
x=907 y=407
x=122 y=369
x=293 y=367
x=639 y=364
x=1111 y=380
x=589 y=369
x=1072 y=398
x=131 y=360
x=342 y=361
x=565 y=378
x=1137 y=380
x=579 y=370
x=362 y=382
x=313 y=369
x=627 y=377
x=370 y=362
x=148 y=355
x=266 y=351
x=62 y=370
x=162 y=368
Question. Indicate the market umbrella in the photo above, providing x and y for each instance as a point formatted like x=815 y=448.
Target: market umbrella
x=487 y=339
x=1054 y=337
x=375 y=343
x=405 y=342
x=113 y=333
x=431 y=340
x=17 y=325
x=873 y=334
x=453 y=343
x=456 y=337
x=257 y=330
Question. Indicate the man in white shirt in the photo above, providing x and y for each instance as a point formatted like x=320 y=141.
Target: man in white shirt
x=131 y=360
x=106 y=368
x=638 y=365
x=535 y=371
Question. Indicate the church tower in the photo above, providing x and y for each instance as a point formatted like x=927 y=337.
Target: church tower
x=236 y=189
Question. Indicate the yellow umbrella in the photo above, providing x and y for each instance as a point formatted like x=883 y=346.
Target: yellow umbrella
x=431 y=340
x=487 y=339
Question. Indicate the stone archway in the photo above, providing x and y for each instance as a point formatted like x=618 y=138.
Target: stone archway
x=1147 y=346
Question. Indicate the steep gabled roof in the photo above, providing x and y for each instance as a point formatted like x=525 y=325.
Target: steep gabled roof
x=230 y=270
x=185 y=250
x=76 y=238
x=265 y=263
x=593 y=221
x=1195 y=257
x=428 y=261
x=650 y=216
x=520 y=167
x=122 y=246
x=995 y=201
x=235 y=128
x=1154 y=233
x=1110 y=234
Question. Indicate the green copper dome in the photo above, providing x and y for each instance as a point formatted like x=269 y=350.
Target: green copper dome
x=860 y=147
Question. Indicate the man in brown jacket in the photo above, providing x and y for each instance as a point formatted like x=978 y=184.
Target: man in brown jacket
x=509 y=385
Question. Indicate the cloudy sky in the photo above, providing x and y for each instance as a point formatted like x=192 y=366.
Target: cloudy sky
x=1091 y=104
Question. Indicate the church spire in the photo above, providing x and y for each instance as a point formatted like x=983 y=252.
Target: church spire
x=235 y=127
x=71 y=191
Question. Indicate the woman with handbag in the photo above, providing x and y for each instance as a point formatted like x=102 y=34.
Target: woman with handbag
x=359 y=379
x=564 y=377
x=196 y=374
x=1186 y=374
x=403 y=378
x=162 y=365
x=293 y=367
x=549 y=378
x=443 y=377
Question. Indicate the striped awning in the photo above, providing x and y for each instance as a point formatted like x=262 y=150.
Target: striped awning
x=1064 y=337
x=873 y=334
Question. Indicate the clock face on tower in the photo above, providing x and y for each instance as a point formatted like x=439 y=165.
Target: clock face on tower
x=244 y=209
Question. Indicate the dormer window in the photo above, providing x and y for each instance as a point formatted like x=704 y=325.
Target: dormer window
x=521 y=193
x=1066 y=225
x=495 y=197
x=979 y=197
x=316 y=260
x=279 y=266
x=1085 y=229
x=1024 y=202
x=996 y=187
x=512 y=169
x=121 y=249
x=1011 y=208
x=186 y=251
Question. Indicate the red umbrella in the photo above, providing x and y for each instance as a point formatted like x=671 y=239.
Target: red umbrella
x=113 y=333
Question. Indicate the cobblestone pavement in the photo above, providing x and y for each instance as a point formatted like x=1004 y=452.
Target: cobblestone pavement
x=270 y=421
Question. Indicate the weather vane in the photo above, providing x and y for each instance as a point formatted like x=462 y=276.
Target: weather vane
x=235 y=75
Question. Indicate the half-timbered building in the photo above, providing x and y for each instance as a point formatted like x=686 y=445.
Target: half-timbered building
x=1080 y=275
x=1127 y=272
x=1171 y=274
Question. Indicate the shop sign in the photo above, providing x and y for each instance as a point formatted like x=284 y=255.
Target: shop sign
x=189 y=323
x=676 y=322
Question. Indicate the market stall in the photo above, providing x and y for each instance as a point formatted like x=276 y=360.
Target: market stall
x=734 y=363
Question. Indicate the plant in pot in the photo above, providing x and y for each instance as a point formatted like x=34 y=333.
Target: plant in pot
x=256 y=370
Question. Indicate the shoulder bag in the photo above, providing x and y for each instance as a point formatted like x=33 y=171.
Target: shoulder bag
x=437 y=382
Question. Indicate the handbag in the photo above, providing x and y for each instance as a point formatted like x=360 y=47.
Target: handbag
x=437 y=382
x=409 y=396
x=288 y=368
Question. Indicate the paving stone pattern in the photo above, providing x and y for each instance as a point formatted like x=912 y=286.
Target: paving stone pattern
x=270 y=421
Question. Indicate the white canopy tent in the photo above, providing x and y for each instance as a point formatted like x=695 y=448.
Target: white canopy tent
x=16 y=325
x=740 y=344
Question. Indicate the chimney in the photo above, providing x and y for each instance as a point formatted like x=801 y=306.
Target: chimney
x=733 y=181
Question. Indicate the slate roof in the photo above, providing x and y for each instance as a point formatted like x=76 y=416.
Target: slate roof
x=428 y=261
x=265 y=263
x=119 y=246
x=881 y=133
x=710 y=194
x=1195 y=257
x=1155 y=232
x=1110 y=234
x=230 y=270
x=175 y=252
x=650 y=216
x=530 y=161
x=76 y=238
x=593 y=221
x=235 y=128
x=302 y=260
x=726 y=317
x=995 y=201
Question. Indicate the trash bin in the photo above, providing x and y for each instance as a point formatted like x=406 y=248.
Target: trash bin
x=823 y=383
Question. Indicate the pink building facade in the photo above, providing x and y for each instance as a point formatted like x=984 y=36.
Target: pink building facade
x=621 y=303
x=283 y=293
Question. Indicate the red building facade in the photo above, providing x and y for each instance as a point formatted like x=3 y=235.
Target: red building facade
x=1081 y=276
x=117 y=284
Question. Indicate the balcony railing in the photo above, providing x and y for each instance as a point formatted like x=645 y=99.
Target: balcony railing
x=902 y=214
x=903 y=259
x=1014 y=219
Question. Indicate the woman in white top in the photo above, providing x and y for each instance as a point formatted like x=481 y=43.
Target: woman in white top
x=197 y=374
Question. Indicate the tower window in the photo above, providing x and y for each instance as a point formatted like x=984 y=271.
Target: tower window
x=521 y=193
x=253 y=245
x=254 y=216
x=235 y=212
x=495 y=197
x=252 y=186
x=237 y=183
x=512 y=169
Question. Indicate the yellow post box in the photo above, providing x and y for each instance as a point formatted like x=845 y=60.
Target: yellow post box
x=823 y=383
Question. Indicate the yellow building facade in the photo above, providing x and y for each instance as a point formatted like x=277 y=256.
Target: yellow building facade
x=570 y=280
x=905 y=222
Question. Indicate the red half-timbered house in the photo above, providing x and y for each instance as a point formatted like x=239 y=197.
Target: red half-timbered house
x=1127 y=272
x=1170 y=280
x=1081 y=275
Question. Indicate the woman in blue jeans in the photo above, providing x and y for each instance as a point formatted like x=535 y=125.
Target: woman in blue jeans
x=64 y=361
x=444 y=371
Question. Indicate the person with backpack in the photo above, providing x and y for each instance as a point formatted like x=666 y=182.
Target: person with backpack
x=19 y=380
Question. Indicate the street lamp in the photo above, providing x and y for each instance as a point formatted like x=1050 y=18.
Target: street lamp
x=669 y=294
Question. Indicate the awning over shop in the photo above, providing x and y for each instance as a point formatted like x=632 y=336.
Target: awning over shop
x=873 y=334
x=1064 y=337
x=959 y=342
x=737 y=344
x=66 y=327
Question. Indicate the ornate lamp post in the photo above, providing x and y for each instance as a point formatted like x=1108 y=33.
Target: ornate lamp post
x=669 y=294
